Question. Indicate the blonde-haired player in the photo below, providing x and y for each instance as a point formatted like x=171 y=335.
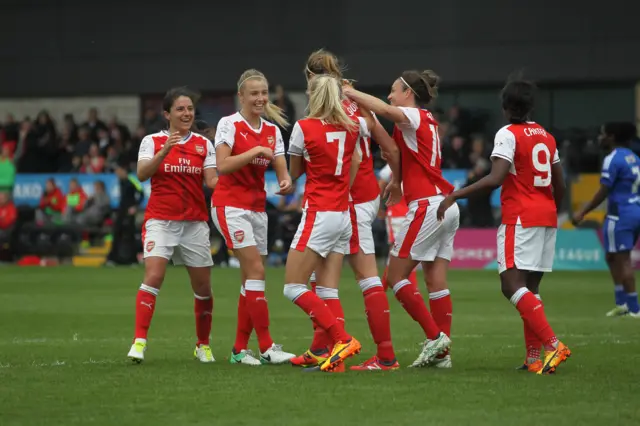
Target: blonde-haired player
x=365 y=195
x=246 y=144
x=323 y=146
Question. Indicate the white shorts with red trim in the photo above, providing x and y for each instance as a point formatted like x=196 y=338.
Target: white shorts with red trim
x=324 y=232
x=183 y=242
x=241 y=228
x=394 y=226
x=422 y=237
x=528 y=249
x=366 y=213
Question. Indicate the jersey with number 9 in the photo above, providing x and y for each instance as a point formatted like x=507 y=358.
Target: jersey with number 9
x=527 y=193
x=327 y=152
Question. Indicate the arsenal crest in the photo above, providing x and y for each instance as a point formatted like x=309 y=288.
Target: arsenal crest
x=239 y=236
x=271 y=140
x=200 y=149
x=150 y=245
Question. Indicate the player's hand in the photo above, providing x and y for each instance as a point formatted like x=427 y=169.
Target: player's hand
x=577 y=218
x=444 y=205
x=347 y=89
x=170 y=143
x=265 y=152
x=286 y=187
x=393 y=193
x=383 y=154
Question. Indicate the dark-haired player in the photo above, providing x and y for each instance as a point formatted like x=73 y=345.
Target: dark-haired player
x=422 y=239
x=526 y=164
x=619 y=182
x=175 y=227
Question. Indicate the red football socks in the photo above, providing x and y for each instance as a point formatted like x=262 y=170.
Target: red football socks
x=441 y=310
x=244 y=326
x=203 y=309
x=259 y=312
x=376 y=306
x=145 y=306
x=322 y=315
x=532 y=314
x=409 y=296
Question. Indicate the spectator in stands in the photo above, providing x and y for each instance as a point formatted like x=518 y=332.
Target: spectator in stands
x=47 y=143
x=117 y=130
x=8 y=217
x=93 y=162
x=153 y=121
x=84 y=142
x=478 y=149
x=97 y=207
x=10 y=130
x=75 y=201
x=51 y=205
x=7 y=169
x=94 y=124
x=26 y=155
x=123 y=250
x=69 y=124
x=104 y=140
x=65 y=151
x=454 y=156
x=282 y=100
x=479 y=210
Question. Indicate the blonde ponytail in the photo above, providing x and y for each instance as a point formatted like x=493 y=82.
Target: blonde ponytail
x=325 y=102
x=274 y=113
x=271 y=112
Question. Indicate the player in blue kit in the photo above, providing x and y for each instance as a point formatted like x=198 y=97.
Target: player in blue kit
x=619 y=182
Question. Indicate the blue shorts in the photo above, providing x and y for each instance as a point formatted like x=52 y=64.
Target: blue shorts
x=620 y=233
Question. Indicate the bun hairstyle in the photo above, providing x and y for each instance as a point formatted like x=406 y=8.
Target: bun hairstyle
x=323 y=62
x=272 y=112
x=424 y=85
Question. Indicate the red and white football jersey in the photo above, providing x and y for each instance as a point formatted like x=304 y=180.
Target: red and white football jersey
x=421 y=155
x=327 y=151
x=245 y=188
x=527 y=194
x=365 y=187
x=177 y=186
x=397 y=210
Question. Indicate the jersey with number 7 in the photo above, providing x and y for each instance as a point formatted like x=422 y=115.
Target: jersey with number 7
x=527 y=193
x=327 y=151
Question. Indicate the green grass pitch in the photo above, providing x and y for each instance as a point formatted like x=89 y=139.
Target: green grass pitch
x=65 y=333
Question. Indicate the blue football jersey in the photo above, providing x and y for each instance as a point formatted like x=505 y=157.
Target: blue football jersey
x=621 y=174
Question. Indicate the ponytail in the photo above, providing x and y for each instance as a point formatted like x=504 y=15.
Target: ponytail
x=276 y=114
x=325 y=102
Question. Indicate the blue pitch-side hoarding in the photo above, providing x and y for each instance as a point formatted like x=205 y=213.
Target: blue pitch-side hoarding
x=29 y=187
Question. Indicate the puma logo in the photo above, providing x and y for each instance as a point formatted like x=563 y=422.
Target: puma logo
x=244 y=135
x=148 y=305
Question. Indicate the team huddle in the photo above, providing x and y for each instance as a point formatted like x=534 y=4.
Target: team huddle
x=342 y=196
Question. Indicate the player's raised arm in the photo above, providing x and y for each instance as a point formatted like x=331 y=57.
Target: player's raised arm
x=408 y=85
